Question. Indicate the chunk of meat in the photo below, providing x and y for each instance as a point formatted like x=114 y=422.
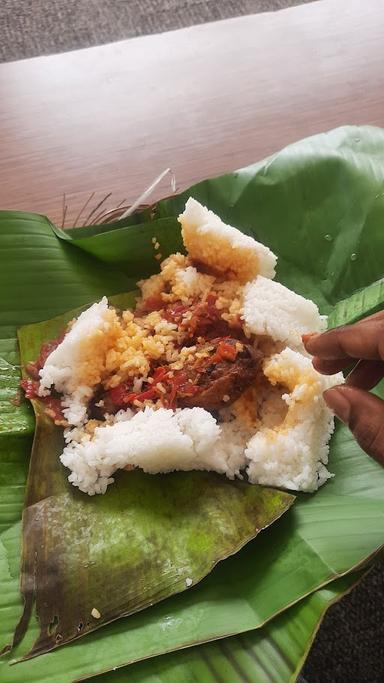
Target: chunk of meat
x=221 y=371
x=196 y=319
x=222 y=377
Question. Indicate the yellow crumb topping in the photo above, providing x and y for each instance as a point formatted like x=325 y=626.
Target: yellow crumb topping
x=142 y=341
x=179 y=280
x=240 y=263
x=129 y=344
x=94 y=350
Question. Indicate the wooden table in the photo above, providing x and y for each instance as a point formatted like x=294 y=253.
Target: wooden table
x=202 y=100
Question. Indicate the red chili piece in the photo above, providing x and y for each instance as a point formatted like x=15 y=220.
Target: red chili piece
x=31 y=388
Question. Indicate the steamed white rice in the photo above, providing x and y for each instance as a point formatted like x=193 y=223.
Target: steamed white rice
x=276 y=311
x=294 y=454
x=68 y=363
x=285 y=445
x=224 y=248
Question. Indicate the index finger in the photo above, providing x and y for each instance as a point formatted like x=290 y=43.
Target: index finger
x=351 y=341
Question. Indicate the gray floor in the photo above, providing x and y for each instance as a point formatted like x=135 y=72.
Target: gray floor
x=36 y=27
x=350 y=645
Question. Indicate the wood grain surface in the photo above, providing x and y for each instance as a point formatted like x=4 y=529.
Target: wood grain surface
x=202 y=100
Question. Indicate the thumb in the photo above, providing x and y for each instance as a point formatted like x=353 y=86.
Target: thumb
x=363 y=413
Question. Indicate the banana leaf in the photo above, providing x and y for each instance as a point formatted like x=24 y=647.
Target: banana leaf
x=147 y=538
x=272 y=654
x=319 y=204
x=366 y=301
x=152 y=557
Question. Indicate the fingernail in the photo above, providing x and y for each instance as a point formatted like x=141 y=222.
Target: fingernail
x=306 y=337
x=338 y=402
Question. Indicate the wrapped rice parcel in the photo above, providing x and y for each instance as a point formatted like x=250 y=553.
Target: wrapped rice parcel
x=207 y=373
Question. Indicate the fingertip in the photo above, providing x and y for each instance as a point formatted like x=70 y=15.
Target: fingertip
x=363 y=412
x=338 y=402
x=345 y=389
x=308 y=337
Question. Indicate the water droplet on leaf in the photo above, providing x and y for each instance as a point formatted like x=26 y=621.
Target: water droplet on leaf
x=328 y=237
x=353 y=257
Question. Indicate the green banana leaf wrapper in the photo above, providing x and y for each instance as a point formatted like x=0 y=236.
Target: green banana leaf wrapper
x=148 y=537
x=275 y=652
x=319 y=205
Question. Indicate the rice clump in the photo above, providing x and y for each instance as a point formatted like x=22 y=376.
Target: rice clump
x=294 y=454
x=155 y=440
x=276 y=311
x=75 y=367
x=209 y=240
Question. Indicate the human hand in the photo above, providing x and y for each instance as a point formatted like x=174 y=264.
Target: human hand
x=360 y=345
